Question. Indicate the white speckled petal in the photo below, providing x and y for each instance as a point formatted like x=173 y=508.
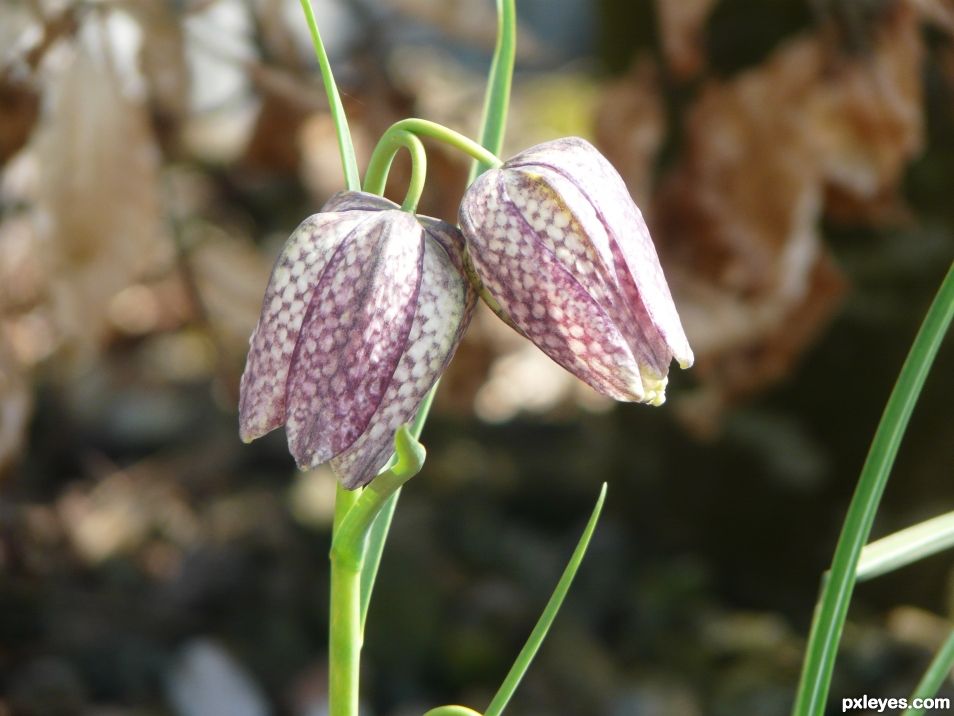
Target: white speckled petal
x=301 y=262
x=358 y=201
x=636 y=262
x=353 y=335
x=542 y=296
x=444 y=307
x=566 y=220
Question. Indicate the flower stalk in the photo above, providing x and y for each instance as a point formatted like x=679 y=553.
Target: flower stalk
x=349 y=163
x=395 y=136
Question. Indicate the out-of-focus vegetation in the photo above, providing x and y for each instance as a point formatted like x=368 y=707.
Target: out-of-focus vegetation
x=795 y=161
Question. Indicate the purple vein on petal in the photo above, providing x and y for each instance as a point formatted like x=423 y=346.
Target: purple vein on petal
x=262 y=397
x=635 y=257
x=352 y=336
x=444 y=306
x=541 y=295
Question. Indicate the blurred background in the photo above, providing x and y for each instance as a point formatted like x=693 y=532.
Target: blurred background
x=795 y=161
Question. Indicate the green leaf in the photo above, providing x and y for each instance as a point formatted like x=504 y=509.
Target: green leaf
x=530 y=649
x=832 y=608
x=497 y=100
x=939 y=670
x=345 y=147
x=906 y=546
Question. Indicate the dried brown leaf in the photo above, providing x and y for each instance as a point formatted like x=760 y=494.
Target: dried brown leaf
x=681 y=25
x=738 y=217
x=98 y=204
x=631 y=125
x=19 y=109
x=16 y=403
x=162 y=61
x=230 y=276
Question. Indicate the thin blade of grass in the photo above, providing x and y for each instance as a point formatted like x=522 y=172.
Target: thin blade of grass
x=939 y=670
x=832 y=609
x=525 y=657
x=906 y=546
x=497 y=100
x=349 y=163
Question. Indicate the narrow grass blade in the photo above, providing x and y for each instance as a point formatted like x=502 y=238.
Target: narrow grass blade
x=525 y=657
x=345 y=147
x=497 y=100
x=906 y=546
x=939 y=670
x=832 y=608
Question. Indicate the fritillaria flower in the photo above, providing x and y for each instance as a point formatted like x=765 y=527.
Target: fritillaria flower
x=363 y=311
x=567 y=259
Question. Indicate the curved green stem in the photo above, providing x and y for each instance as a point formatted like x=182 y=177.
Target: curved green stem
x=452 y=711
x=348 y=544
x=497 y=99
x=937 y=672
x=345 y=147
x=832 y=609
x=396 y=137
x=382 y=158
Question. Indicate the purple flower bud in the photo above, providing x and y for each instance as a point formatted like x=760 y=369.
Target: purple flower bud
x=365 y=308
x=562 y=249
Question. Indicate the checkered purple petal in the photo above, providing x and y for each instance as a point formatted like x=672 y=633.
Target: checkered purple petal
x=353 y=335
x=444 y=307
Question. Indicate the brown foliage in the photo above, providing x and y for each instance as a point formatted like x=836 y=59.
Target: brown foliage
x=766 y=154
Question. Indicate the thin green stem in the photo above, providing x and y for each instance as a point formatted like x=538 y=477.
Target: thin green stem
x=832 y=609
x=497 y=99
x=525 y=657
x=382 y=158
x=939 y=670
x=345 y=640
x=345 y=147
x=352 y=530
x=452 y=711
x=394 y=138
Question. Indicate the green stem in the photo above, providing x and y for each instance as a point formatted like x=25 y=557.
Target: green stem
x=345 y=147
x=354 y=514
x=345 y=640
x=392 y=139
x=348 y=546
x=937 y=672
x=452 y=711
x=497 y=99
x=832 y=609
x=380 y=164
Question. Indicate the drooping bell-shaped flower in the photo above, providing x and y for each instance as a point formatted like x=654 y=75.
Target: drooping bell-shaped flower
x=557 y=241
x=364 y=309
